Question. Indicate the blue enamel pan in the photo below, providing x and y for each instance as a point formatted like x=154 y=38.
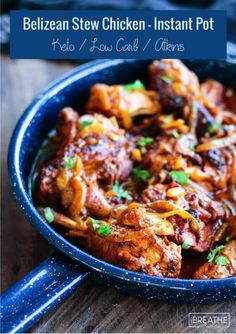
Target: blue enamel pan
x=69 y=266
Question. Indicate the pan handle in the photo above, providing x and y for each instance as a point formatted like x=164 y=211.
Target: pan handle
x=40 y=290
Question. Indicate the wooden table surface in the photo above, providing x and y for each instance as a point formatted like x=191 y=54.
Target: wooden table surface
x=92 y=308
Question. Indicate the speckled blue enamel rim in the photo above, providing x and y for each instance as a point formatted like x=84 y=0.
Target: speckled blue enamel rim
x=91 y=262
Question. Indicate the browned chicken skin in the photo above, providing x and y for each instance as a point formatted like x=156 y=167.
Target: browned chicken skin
x=105 y=156
x=121 y=103
x=176 y=85
x=197 y=217
x=146 y=177
x=147 y=253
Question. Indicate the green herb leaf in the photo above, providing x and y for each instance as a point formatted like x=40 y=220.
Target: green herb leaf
x=180 y=177
x=167 y=78
x=135 y=85
x=95 y=222
x=84 y=124
x=211 y=256
x=169 y=118
x=144 y=141
x=139 y=173
x=120 y=192
x=214 y=127
x=192 y=146
x=221 y=260
x=70 y=162
x=104 y=230
x=218 y=142
x=228 y=238
x=187 y=243
x=176 y=134
x=48 y=214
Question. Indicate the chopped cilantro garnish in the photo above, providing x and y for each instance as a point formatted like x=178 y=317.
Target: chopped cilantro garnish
x=187 y=243
x=218 y=142
x=176 y=134
x=121 y=192
x=84 y=124
x=104 y=230
x=218 y=259
x=211 y=256
x=169 y=118
x=214 y=127
x=135 y=85
x=70 y=162
x=180 y=177
x=95 y=222
x=48 y=214
x=144 y=141
x=139 y=173
x=167 y=78
x=192 y=146
x=221 y=260
x=228 y=238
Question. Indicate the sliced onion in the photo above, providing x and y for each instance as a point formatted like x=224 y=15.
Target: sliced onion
x=217 y=143
x=80 y=191
x=68 y=223
x=182 y=213
x=163 y=206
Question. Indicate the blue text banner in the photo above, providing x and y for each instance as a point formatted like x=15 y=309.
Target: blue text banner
x=49 y=34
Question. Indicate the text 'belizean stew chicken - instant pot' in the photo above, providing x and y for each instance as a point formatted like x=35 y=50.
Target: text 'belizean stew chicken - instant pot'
x=144 y=177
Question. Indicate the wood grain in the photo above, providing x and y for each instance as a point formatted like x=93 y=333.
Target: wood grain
x=92 y=308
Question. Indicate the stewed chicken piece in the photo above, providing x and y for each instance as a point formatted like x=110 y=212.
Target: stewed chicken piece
x=146 y=179
x=194 y=216
x=93 y=154
x=123 y=101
